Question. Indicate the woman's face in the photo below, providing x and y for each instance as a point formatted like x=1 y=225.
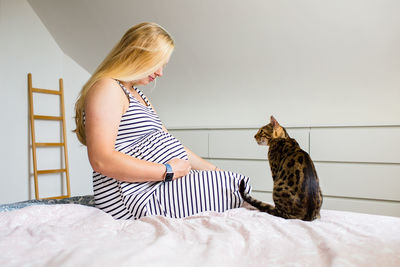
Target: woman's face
x=150 y=78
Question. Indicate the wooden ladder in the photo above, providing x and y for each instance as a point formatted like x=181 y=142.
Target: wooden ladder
x=63 y=144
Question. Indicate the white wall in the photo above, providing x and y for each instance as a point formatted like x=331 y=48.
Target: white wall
x=26 y=46
x=80 y=170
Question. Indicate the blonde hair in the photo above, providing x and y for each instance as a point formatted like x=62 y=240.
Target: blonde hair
x=142 y=50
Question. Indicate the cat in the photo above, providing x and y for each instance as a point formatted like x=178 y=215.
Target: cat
x=296 y=191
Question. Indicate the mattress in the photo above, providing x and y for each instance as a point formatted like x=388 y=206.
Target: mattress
x=60 y=234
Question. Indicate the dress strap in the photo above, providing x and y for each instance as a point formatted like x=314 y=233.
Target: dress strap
x=130 y=96
x=126 y=91
x=142 y=96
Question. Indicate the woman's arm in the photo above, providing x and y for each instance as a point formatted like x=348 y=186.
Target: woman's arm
x=104 y=107
x=199 y=163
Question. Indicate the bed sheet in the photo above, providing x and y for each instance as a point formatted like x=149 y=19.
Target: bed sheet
x=77 y=235
x=87 y=200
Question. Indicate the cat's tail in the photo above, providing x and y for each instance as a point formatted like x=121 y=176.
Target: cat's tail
x=262 y=206
x=311 y=184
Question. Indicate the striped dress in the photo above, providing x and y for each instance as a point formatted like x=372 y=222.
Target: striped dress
x=140 y=135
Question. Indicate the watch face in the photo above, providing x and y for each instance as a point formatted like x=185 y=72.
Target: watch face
x=169 y=176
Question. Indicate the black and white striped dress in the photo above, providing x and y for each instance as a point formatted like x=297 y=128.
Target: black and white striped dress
x=140 y=135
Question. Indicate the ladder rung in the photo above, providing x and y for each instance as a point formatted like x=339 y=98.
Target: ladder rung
x=58 y=197
x=54 y=118
x=49 y=144
x=46 y=91
x=51 y=171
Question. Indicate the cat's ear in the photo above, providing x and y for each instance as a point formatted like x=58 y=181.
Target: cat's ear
x=274 y=122
x=278 y=131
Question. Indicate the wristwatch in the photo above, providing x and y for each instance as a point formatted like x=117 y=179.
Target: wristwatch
x=169 y=173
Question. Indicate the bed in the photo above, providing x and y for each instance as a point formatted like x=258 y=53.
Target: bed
x=72 y=232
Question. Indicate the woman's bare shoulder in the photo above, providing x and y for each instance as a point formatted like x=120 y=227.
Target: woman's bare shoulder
x=106 y=90
x=105 y=84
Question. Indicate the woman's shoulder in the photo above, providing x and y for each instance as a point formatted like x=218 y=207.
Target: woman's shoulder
x=105 y=84
x=107 y=89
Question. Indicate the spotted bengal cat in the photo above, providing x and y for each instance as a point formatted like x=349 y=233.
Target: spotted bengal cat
x=296 y=191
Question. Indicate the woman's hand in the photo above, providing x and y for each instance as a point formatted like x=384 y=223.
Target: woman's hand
x=180 y=167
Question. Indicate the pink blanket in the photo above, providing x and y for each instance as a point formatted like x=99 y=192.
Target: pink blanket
x=74 y=235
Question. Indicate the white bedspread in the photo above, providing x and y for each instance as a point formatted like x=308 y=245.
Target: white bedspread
x=74 y=235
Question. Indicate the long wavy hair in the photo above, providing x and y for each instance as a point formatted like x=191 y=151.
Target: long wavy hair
x=142 y=50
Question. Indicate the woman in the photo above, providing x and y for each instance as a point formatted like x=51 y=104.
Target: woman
x=139 y=169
